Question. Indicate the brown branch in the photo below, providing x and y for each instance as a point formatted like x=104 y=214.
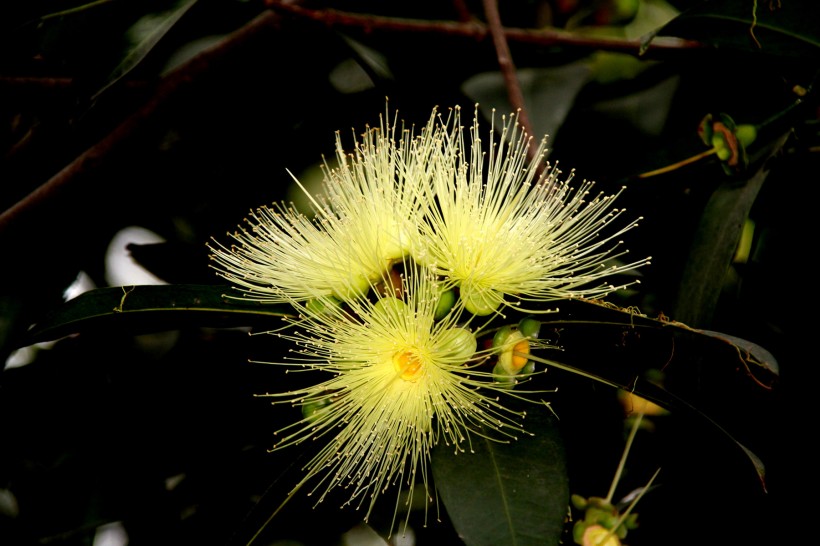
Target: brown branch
x=505 y=63
x=23 y=85
x=28 y=83
x=131 y=127
x=476 y=30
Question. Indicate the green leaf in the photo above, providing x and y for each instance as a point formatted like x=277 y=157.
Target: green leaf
x=147 y=33
x=153 y=308
x=721 y=382
x=714 y=244
x=513 y=493
x=76 y=9
x=627 y=348
x=785 y=28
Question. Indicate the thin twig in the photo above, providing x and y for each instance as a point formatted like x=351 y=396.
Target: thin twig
x=169 y=88
x=478 y=31
x=505 y=63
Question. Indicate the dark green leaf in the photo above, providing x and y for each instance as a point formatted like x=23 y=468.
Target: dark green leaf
x=778 y=28
x=151 y=29
x=513 y=493
x=154 y=308
x=627 y=346
x=722 y=382
x=713 y=246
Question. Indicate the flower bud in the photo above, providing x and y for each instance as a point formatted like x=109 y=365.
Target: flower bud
x=460 y=343
x=311 y=409
x=503 y=379
x=596 y=535
x=356 y=286
x=746 y=134
x=389 y=306
x=446 y=301
x=529 y=327
x=324 y=304
x=516 y=342
x=481 y=302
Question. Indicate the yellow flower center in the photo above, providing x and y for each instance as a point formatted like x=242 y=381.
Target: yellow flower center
x=408 y=365
x=523 y=347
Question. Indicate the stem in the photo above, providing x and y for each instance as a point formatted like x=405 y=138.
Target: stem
x=77 y=9
x=507 y=67
x=679 y=164
x=566 y=368
x=630 y=507
x=133 y=127
x=635 y=424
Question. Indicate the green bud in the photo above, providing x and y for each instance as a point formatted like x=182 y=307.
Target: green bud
x=503 y=379
x=746 y=134
x=459 y=343
x=311 y=409
x=719 y=143
x=446 y=301
x=481 y=302
x=631 y=521
x=389 y=306
x=322 y=305
x=500 y=337
x=578 y=501
x=528 y=368
x=626 y=9
x=578 y=531
x=530 y=327
x=600 y=502
x=608 y=520
x=357 y=286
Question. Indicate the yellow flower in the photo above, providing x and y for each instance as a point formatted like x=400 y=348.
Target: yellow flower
x=398 y=382
x=400 y=361
x=506 y=233
x=363 y=223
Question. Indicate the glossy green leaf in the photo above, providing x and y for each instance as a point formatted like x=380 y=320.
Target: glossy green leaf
x=712 y=249
x=147 y=33
x=76 y=9
x=513 y=493
x=627 y=347
x=715 y=242
x=719 y=381
x=778 y=28
x=152 y=308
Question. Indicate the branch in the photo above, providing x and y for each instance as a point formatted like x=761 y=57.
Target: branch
x=505 y=63
x=170 y=87
x=479 y=31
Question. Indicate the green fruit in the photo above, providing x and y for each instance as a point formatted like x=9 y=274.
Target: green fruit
x=530 y=327
x=746 y=134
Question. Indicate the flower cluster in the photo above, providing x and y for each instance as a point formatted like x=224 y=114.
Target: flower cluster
x=413 y=240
